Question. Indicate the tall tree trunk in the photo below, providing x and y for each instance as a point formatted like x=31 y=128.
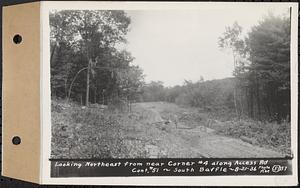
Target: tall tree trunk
x=241 y=105
x=247 y=101
x=88 y=83
x=258 y=98
x=52 y=53
x=235 y=102
x=66 y=88
x=251 y=102
x=103 y=97
x=95 y=95
x=234 y=89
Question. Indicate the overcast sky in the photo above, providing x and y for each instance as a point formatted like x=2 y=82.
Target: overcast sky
x=173 y=45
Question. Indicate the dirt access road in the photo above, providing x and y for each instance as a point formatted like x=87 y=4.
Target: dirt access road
x=167 y=130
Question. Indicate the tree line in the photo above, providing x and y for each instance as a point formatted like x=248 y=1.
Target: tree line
x=262 y=68
x=86 y=64
x=260 y=87
x=209 y=95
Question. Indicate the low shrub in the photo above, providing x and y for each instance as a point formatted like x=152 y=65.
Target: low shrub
x=267 y=134
x=86 y=133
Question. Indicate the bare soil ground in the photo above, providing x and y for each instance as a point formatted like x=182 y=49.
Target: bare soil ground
x=150 y=130
x=173 y=131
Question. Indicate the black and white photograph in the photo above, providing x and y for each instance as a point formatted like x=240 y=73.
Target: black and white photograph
x=161 y=83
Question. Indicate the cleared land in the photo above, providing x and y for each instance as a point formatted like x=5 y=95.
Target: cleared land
x=150 y=130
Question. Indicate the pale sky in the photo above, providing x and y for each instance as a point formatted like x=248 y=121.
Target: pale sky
x=173 y=45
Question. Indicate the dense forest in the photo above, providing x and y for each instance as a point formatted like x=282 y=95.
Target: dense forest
x=103 y=107
x=260 y=88
x=87 y=67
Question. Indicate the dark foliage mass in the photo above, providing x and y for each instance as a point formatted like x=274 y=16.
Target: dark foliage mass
x=209 y=95
x=88 y=68
x=262 y=68
x=86 y=65
x=260 y=88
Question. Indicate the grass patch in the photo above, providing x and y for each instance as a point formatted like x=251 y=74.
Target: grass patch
x=86 y=133
x=269 y=134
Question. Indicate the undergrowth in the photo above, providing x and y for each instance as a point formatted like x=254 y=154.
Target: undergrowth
x=86 y=133
x=265 y=134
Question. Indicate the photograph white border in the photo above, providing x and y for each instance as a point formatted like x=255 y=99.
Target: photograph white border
x=46 y=6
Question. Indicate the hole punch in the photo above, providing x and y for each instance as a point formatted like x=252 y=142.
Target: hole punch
x=17 y=39
x=16 y=140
